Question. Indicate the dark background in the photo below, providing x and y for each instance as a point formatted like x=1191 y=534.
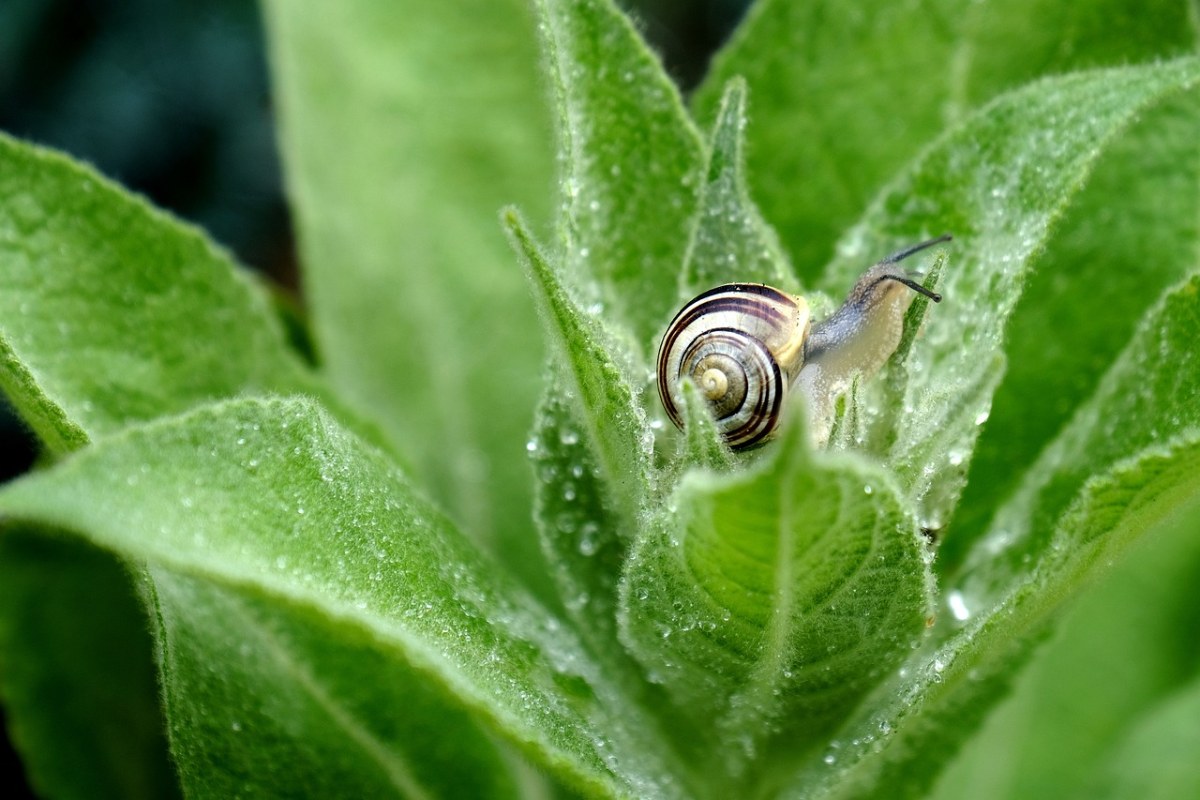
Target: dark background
x=172 y=100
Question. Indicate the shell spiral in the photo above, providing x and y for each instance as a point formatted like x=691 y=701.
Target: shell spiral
x=742 y=345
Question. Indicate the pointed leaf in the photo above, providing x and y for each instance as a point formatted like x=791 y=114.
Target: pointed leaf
x=274 y=502
x=631 y=160
x=614 y=425
x=847 y=94
x=769 y=602
x=582 y=535
x=731 y=243
x=405 y=127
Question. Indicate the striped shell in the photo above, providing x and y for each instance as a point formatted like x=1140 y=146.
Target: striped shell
x=742 y=344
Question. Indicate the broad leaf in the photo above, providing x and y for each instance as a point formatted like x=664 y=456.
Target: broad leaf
x=78 y=672
x=631 y=160
x=770 y=602
x=112 y=312
x=997 y=183
x=405 y=127
x=1130 y=234
x=279 y=510
x=254 y=690
x=847 y=94
x=1139 y=477
x=1121 y=652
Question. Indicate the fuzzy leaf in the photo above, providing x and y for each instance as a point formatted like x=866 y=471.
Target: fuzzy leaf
x=847 y=94
x=1139 y=477
x=112 y=312
x=631 y=160
x=405 y=127
x=731 y=242
x=329 y=550
x=78 y=672
x=254 y=689
x=997 y=182
x=582 y=536
x=615 y=427
x=1120 y=653
x=767 y=603
x=1131 y=234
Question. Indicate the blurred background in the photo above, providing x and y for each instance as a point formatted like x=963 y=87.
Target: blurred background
x=172 y=100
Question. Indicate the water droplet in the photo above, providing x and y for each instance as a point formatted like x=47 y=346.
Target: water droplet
x=868 y=490
x=568 y=436
x=958 y=606
x=982 y=417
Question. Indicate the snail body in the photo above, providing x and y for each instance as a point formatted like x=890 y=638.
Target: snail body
x=746 y=345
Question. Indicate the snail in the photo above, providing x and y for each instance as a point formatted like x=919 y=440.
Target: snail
x=745 y=345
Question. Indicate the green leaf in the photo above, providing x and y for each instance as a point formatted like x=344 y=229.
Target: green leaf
x=271 y=701
x=583 y=537
x=1140 y=438
x=1145 y=404
x=614 y=424
x=631 y=161
x=272 y=503
x=998 y=183
x=847 y=94
x=730 y=242
x=769 y=602
x=1134 y=230
x=1121 y=652
x=78 y=679
x=1157 y=759
x=405 y=127
x=113 y=312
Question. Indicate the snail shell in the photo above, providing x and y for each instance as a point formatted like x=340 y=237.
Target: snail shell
x=744 y=345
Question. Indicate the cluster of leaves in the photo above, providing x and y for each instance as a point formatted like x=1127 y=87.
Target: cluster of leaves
x=346 y=593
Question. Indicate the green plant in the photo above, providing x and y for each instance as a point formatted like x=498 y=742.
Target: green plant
x=345 y=590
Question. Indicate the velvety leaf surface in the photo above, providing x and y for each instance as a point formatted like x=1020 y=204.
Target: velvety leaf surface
x=113 y=312
x=77 y=672
x=847 y=94
x=599 y=385
x=273 y=500
x=581 y=534
x=770 y=602
x=1131 y=233
x=405 y=127
x=630 y=158
x=997 y=182
x=731 y=242
x=1146 y=474
x=275 y=701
